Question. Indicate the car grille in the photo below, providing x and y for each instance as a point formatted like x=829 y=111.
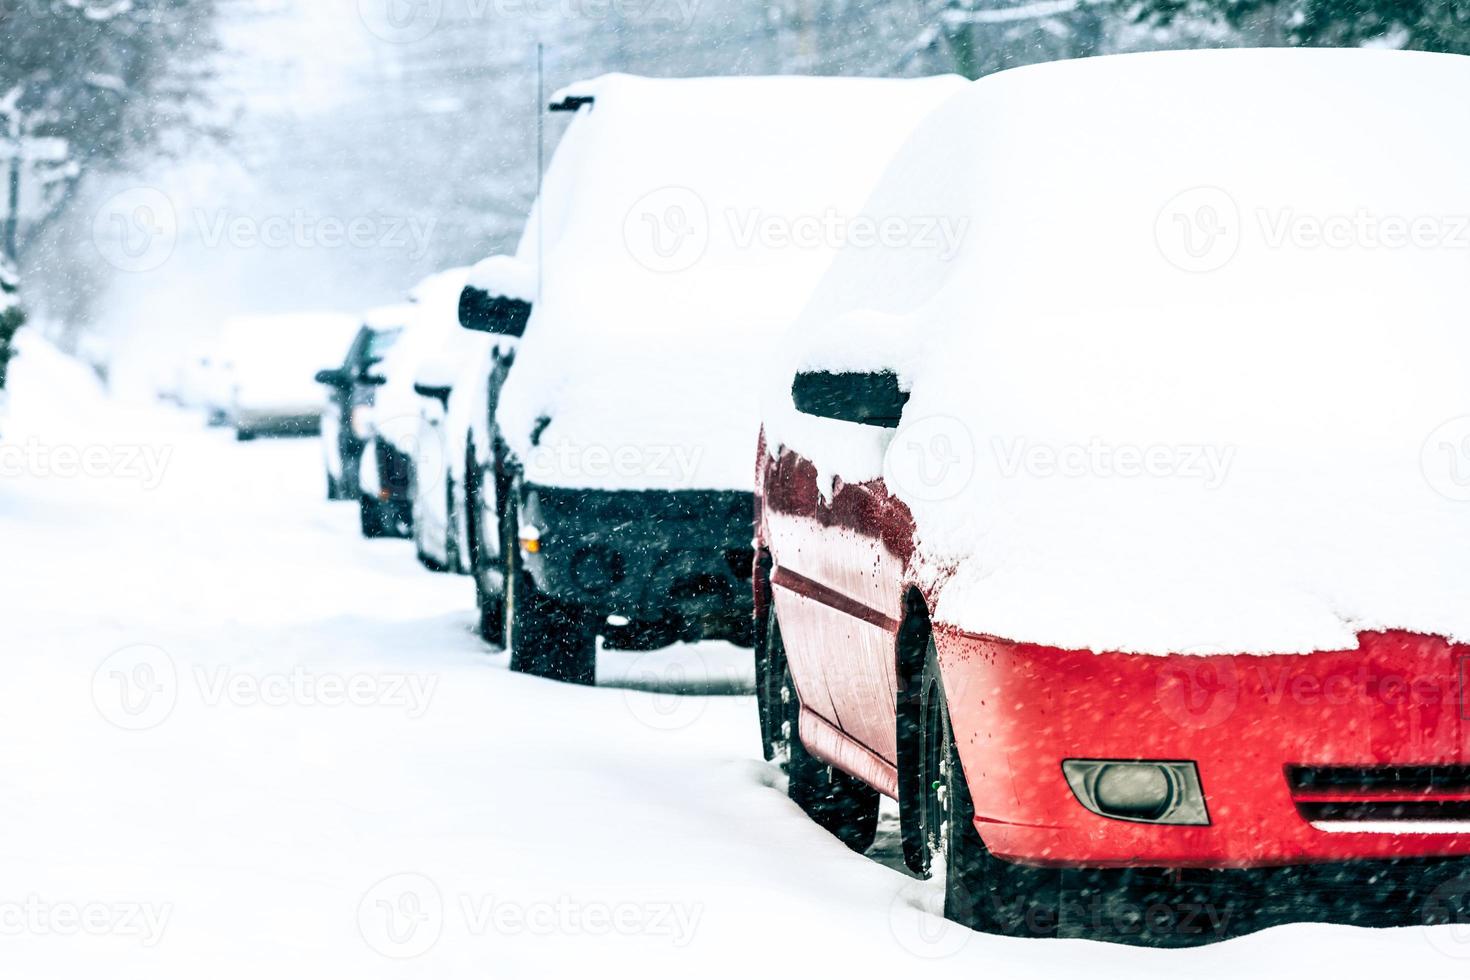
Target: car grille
x=1381 y=794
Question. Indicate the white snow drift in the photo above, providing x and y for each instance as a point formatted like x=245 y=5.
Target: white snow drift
x=681 y=225
x=1196 y=377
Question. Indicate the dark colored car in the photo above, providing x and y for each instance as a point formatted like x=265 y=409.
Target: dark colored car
x=346 y=419
x=556 y=567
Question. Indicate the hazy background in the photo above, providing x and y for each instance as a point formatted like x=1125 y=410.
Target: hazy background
x=337 y=151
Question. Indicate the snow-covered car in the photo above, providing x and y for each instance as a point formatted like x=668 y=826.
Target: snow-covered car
x=443 y=433
x=351 y=386
x=394 y=446
x=1123 y=546
x=264 y=371
x=495 y=307
x=663 y=257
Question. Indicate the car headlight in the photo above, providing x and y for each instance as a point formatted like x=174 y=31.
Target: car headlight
x=362 y=422
x=1143 y=792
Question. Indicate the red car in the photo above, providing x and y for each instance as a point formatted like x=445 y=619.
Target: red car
x=1066 y=787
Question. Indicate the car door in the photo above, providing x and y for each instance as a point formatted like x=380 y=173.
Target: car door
x=836 y=584
x=338 y=405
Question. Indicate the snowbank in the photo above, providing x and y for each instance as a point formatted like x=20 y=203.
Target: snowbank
x=1195 y=379
x=680 y=227
x=48 y=390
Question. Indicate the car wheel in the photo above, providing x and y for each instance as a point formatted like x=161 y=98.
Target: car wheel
x=451 y=545
x=547 y=637
x=642 y=635
x=843 y=805
x=980 y=890
x=374 y=520
x=244 y=435
x=334 y=489
x=489 y=600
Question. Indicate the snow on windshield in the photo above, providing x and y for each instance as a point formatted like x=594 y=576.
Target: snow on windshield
x=1193 y=379
x=682 y=224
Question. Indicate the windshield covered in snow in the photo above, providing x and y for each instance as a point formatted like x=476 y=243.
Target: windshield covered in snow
x=673 y=244
x=1204 y=334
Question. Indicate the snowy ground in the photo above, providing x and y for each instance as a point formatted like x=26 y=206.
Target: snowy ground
x=239 y=740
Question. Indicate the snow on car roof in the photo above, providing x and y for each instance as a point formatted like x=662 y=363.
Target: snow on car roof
x=1195 y=378
x=681 y=224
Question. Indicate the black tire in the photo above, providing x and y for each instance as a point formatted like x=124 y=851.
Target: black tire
x=547 y=637
x=642 y=635
x=489 y=601
x=244 y=435
x=334 y=489
x=841 y=804
x=373 y=518
x=980 y=890
x=451 y=539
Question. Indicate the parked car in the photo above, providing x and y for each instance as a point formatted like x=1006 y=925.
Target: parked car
x=438 y=483
x=394 y=444
x=346 y=420
x=495 y=308
x=617 y=452
x=1129 y=629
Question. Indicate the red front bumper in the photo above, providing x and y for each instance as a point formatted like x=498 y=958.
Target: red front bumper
x=1019 y=710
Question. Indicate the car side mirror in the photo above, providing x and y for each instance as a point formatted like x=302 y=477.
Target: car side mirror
x=479 y=310
x=333 y=377
x=439 y=393
x=865 y=398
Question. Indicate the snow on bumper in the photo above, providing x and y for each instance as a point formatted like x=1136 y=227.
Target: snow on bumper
x=1343 y=755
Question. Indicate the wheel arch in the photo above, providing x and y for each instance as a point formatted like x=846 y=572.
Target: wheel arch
x=910 y=652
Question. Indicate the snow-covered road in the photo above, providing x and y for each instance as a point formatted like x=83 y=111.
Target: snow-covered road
x=239 y=740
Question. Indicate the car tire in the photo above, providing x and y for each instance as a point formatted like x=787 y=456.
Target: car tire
x=546 y=637
x=642 y=635
x=334 y=489
x=373 y=518
x=451 y=543
x=489 y=602
x=980 y=890
x=841 y=804
x=244 y=435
